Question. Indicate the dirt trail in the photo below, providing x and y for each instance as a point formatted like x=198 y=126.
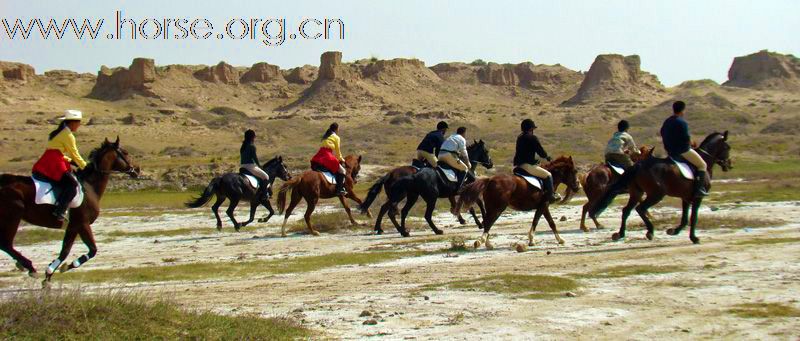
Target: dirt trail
x=693 y=301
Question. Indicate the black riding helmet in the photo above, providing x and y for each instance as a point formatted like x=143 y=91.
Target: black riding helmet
x=527 y=124
x=623 y=125
x=441 y=125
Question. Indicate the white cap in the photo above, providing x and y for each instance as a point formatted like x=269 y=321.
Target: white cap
x=72 y=115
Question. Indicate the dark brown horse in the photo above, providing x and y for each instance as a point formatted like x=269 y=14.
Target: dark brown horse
x=17 y=204
x=312 y=186
x=659 y=178
x=596 y=181
x=501 y=191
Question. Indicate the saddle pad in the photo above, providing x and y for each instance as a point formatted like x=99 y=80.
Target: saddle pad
x=46 y=196
x=615 y=168
x=329 y=177
x=450 y=174
x=685 y=169
x=534 y=181
x=252 y=179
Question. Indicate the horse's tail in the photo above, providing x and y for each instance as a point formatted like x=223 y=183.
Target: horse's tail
x=374 y=191
x=206 y=196
x=471 y=193
x=286 y=187
x=615 y=189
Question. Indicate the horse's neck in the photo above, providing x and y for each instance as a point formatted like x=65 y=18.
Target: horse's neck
x=98 y=181
x=272 y=171
x=708 y=158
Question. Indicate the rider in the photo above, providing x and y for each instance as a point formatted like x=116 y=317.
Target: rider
x=528 y=147
x=54 y=164
x=330 y=157
x=677 y=142
x=454 y=153
x=432 y=144
x=621 y=146
x=250 y=162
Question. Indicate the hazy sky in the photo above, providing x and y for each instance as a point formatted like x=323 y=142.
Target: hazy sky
x=677 y=40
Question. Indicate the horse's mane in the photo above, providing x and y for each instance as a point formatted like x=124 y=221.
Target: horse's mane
x=93 y=161
x=272 y=161
x=710 y=138
x=562 y=160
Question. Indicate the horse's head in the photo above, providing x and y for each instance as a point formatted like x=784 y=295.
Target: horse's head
x=479 y=152
x=716 y=146
x=110 y=157
x=564 y=171
x=352 y=164
x=277 y=167
x=645 y=152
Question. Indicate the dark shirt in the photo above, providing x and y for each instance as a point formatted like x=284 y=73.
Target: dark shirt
x=248 y=154
x=432 y=142
x=528 y=147
x=675 y=134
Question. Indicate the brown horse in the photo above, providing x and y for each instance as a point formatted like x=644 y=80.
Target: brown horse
x=501 y=191
x=17 y=204
x=594 y=184
x=659 y=178
x=312 y=186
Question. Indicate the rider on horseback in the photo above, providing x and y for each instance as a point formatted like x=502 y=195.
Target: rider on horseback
x=454 y=154
x=432 y=144
x=330 y=157
x=250 y=162
x=528 y=147
x=621 y=146
x=677 y=142
x=54 y=164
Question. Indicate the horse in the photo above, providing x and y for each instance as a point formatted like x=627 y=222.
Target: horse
x=596 y=181
x=659 y=178
x=17 y=203
x=312 y=186
x=235 y=187
x=478 y=154
x=501 y=191
x=429 y=184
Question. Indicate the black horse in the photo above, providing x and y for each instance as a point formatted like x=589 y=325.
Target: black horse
x=429 y=184
x=236 y=187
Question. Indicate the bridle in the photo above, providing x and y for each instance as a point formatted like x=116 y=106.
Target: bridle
x=131 y=171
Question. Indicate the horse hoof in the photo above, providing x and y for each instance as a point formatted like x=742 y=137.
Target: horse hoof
x=489 y=246
x=33 y=274
x=649 y=235
x=694 y=239
x=406 y=234
x=672 y=232
x=378 y=232
x=584 y=229
x=561 y=242
x=63 y=268
x=616 y=236
x=476 y=244
x=46 y=284
x=438 y=231
x=283 y=235
x=315 y=233
x=219 y=228
x=20 y=267
x=462 y=222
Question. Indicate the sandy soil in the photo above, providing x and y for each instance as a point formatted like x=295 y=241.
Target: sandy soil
x=691 y=303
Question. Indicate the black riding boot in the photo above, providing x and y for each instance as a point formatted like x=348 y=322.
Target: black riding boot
x=68 y=186
x=263 y=190
x=700 y=184
x=549 y=191
x=461 y=176
x=340 y=184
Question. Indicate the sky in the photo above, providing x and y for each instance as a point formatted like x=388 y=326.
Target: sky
x=677 y=40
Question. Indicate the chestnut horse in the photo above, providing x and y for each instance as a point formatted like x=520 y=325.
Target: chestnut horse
x=17 y=204
x=501 y=191
x=312 y=186
x=659 y=178
x=594 y=184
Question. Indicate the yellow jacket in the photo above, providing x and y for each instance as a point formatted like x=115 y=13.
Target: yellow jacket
x=65 y=143
x=332 y=143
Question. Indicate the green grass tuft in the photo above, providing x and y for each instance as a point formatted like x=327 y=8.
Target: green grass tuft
x=764 y=310
x=34 y=235
x=631 y=270
x=767 y=241
x=525 y=286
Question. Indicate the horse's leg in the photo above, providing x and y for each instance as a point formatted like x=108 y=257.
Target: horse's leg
x=268 y=206
x=552 y=224
x=411 y=199
x=479 y=202
x=534 y=223
x=693 y=223
x=88 y=239
x=430 y=206
x=652 y=199
x=379 y=219
x=684 y=219
x=488 y=221
x=215 y=209
x=230 y=212
x=66 y=247
x=311 y=203
x=583 y=217
x=295 y=200
x=7 y=245
x=347 y=210
x=352 y=196
x=635 y=197
x=452 y=199
x=253 y=208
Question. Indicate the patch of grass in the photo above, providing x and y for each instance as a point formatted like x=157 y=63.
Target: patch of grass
x=328 y=222
x=764 y=310
x=34 y=235
x=631 y=270
x=525 y=286
x=781 y=189
x=71 y=315
x=229 y=269
x=146 y=199
x=160 y=233
x=767 y=241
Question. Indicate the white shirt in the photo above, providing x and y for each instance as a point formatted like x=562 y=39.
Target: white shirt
x=456 y=143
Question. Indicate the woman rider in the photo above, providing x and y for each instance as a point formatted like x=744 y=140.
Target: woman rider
x=54 y=164
x=621 y=146
x=528 y=147
x=330 y=157
x=250 y=161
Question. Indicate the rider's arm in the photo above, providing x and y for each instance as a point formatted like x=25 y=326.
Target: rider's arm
x=255 y=156
x=630 y=144
x=336 y=147
x=71 y=148
x=462 y=151
x=537 y=147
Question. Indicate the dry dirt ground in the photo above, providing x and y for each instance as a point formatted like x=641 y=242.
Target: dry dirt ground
x=693 y=299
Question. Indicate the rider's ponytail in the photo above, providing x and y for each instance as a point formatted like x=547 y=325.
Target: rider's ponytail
x=332 y=129
x=55 y=132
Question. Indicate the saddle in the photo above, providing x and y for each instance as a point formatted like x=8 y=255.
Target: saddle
x=447 y=173
x=532 y=180
x=250 y=177
x=687 y=169
x=616 y=168
x=420 y=164
x=47 y=192
x=329 y=177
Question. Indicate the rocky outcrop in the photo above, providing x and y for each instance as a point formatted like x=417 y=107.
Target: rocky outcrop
x=262 y=73
x=301 y=75
x=457 y=72
x=398 y=67
x=120 y=82
x=612 y=77
x=17 y=72
x=331 y=67
x=496 y=74
x=765 y=70
x=221 y=73
x=546 y=77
